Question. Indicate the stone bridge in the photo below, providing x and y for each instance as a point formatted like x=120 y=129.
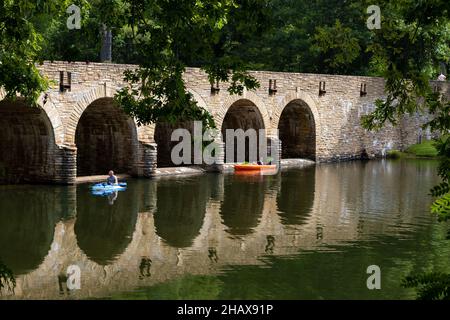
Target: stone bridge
x=81 y=132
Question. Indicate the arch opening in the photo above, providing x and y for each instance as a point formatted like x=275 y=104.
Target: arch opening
x=163 y=135
x=297 y=131
x=27 y=144
x=243 y=114
x=106 y=139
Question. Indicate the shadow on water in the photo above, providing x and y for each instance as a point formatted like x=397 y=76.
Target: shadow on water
x=181 y=207
x=27 y=224
x=296 y=197
x=104 y=225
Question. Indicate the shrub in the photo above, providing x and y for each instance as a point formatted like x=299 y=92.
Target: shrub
x=394 y=154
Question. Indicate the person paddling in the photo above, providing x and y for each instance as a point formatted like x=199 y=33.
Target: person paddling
x=112 y=179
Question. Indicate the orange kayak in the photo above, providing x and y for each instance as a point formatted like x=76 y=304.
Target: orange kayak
x=253 y=167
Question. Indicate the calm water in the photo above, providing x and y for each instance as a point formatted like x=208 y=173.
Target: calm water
x=304 y=234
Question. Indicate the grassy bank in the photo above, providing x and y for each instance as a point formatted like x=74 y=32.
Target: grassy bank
x=425 y=149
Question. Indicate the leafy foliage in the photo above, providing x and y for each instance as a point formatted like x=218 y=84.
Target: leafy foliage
x=407 y=49
x=440 y=190
x=442 y=207
x=409 y=44
x=337 y=45
x=414 y=38
x=20 y=46
x=167 y=34
x=431 y=286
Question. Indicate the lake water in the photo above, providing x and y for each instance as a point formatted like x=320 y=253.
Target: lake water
x=304 y=234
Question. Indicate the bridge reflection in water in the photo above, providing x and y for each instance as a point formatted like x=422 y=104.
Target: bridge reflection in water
x=160 y=230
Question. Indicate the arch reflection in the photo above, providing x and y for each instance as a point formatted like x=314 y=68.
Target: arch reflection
x=27 y=223
x=181 y=209
x=105 y=230
x=243 y=203
x=296 y=197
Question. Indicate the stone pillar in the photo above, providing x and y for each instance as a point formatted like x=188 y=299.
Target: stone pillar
x=274 y=149
x=219 y=156
x=65 y=165
x=146 y=163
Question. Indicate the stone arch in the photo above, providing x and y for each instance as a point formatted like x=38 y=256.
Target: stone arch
x=243 y=114
x=300 y=95
x=200 y=101
x=219 y=116
x=161 y=133
x=52 y=114
x=150 y=129
x=106 y=138
x=297 y=122
x=85 y=100
x=27 y=143
x=54 y=117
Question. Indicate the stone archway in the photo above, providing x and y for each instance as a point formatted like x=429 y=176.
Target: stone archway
x=163 y=139
x=297 y=131
x=106 y=139
x=162 y=133
x=27 y=144
x=242 y=114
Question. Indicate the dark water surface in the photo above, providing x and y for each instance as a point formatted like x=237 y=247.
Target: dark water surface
x=304 y=234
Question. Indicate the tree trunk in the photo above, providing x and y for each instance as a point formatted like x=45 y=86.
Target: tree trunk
x=106 y=51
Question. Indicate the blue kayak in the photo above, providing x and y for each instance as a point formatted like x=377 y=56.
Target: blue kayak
x=101 y=189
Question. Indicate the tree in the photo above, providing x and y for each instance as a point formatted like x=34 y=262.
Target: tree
x=20 y=44
x=413 y=39
x=300 y=36
x=166 y=35
x=61 y=43
x=163 y=37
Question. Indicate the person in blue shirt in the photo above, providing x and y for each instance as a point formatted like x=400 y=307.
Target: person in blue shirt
x=112 y=179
